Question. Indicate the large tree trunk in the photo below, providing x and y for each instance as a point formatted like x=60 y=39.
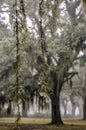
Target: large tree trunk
x=56 y=116
x=84 y=108
x=55 y=101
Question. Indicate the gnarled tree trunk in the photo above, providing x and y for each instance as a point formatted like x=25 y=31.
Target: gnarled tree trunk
x=55 y=101
x=56 y=116
x=84 y=109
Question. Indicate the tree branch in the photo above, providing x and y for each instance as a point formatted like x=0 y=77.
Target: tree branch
x=70 y=76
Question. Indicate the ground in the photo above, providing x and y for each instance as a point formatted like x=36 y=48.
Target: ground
x=41 y=124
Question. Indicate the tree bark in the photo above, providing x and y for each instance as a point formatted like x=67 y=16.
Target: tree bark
x=55 y=101
x=55 y=105
x=84 y=109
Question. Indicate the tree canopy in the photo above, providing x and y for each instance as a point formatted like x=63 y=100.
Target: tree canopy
x=40 y=43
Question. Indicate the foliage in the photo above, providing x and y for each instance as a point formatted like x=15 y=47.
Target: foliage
x=36 y=69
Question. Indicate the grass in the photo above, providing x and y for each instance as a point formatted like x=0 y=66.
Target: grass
x=41 y=124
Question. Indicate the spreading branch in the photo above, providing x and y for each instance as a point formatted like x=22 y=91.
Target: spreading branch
x=70 y=76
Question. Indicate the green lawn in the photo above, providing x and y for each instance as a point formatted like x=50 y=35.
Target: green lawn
x=41 y=124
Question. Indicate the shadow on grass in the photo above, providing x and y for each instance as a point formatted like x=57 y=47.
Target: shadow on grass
x=41 y=127
x=35 y=125
x=53 y=127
